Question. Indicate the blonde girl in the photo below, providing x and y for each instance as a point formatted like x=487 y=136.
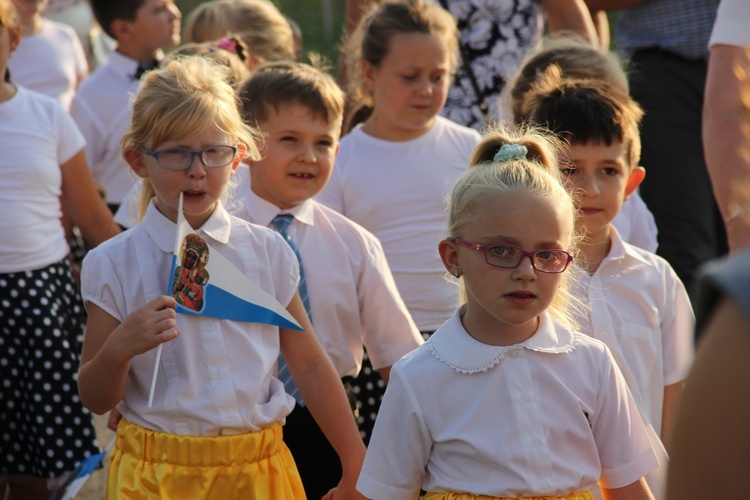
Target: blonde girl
x=506 y=400
x=214 y=429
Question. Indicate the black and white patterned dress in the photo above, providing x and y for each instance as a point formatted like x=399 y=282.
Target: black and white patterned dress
x=497 y=35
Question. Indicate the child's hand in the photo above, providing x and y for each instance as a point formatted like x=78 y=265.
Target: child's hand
x=344 y=491
x=147 y=327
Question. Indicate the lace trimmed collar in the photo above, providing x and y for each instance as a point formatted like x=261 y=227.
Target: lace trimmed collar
x=452 y=345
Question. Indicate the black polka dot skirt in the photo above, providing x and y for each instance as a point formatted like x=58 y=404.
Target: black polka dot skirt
x=368 y=388
x=44 y=430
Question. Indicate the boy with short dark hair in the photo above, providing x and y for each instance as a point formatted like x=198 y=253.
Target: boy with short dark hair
x=141 y=28
x=638 y=305
x=353 y=298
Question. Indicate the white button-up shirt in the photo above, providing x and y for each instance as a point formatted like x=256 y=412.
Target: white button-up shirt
x=353 y=297
x=640 y=309
x=547 y=417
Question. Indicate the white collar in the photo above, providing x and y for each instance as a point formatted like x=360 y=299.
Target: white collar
x=162 y=230
x=263 y=211
x=452 y=344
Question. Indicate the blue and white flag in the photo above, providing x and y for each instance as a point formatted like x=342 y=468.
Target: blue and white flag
x=205 y=283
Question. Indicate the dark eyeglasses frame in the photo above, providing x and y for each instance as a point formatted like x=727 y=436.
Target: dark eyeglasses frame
x=524 y=254
x=193 y=154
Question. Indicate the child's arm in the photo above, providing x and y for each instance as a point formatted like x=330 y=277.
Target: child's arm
x=108 y=347
x=672 y=394
x=83 y=203
x=634 y=491
x=323 y=393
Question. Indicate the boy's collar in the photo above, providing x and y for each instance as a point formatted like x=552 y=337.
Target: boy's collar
x=263 y=211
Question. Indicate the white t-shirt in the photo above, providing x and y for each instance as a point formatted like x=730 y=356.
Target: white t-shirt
x=397 y=191
x=547 y=417
x=101 y=108
x=218 y=376
x=639 y=307
x=50 y=62
x=37 y=136
x=353 y=298
x=732 y=25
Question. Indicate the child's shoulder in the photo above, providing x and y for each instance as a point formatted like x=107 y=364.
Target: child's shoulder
x=649 y=262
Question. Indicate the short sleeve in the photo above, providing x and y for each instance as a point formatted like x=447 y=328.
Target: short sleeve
x=100 y=284
x=399 y=449
x=732 y=25
x=624 y=448
x=71 y=141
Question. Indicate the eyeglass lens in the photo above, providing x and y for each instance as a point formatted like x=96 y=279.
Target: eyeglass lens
x=181 y=158
x=544 y=260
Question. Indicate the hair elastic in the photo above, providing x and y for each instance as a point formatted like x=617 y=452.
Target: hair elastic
x=227 y=44
x=509 y=152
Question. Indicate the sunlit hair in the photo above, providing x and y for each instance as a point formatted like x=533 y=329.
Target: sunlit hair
x=8 y=20
x=575 y=57
x=281 y=83
x=371 y=40
x=185 y=98
x=537 y=174
x=8 y=14
x=586 y=111
x=261 y=26
x=107 y=11
x=232 y=59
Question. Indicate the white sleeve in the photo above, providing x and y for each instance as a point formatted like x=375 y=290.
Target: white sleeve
x=732 y=25
x=678 y=330
x=394 y=467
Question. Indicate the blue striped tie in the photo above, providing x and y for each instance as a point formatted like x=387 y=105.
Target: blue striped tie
x=281 y=223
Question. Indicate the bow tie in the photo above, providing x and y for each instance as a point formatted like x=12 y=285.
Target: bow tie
x=143 y=68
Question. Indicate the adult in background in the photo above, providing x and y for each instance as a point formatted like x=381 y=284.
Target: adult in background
x=725 y=119
x=666 y=42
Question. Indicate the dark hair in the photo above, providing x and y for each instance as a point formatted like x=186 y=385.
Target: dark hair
x=288 y=82
x=107 y=11
x=584 y=111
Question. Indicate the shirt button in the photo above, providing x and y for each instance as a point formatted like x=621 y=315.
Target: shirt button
x=535 y=442
x=219 y=374
x=231 y=418
x=544 y=485
x=523 y=398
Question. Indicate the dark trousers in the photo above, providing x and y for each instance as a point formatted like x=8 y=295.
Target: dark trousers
x=677 y=188
x=318 y=464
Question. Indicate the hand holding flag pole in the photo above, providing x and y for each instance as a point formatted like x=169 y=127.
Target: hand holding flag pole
x=205 y=283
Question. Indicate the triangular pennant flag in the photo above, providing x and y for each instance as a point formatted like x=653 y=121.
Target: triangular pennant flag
x=205 y=283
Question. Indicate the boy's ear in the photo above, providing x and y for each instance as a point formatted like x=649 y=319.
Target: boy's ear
x=121 y=30
x=134 y=158
x=637 y=174
x=449 y=256
x=14 y=35
x=241 y=150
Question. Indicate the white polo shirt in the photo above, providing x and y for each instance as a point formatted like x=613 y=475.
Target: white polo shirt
x=218 y=376
x=102 y=108
x=353 y=298
x=547 y=417
x=639 y=307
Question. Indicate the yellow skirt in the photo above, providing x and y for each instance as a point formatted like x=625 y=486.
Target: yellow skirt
x=468 y=496
x=257 y=465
